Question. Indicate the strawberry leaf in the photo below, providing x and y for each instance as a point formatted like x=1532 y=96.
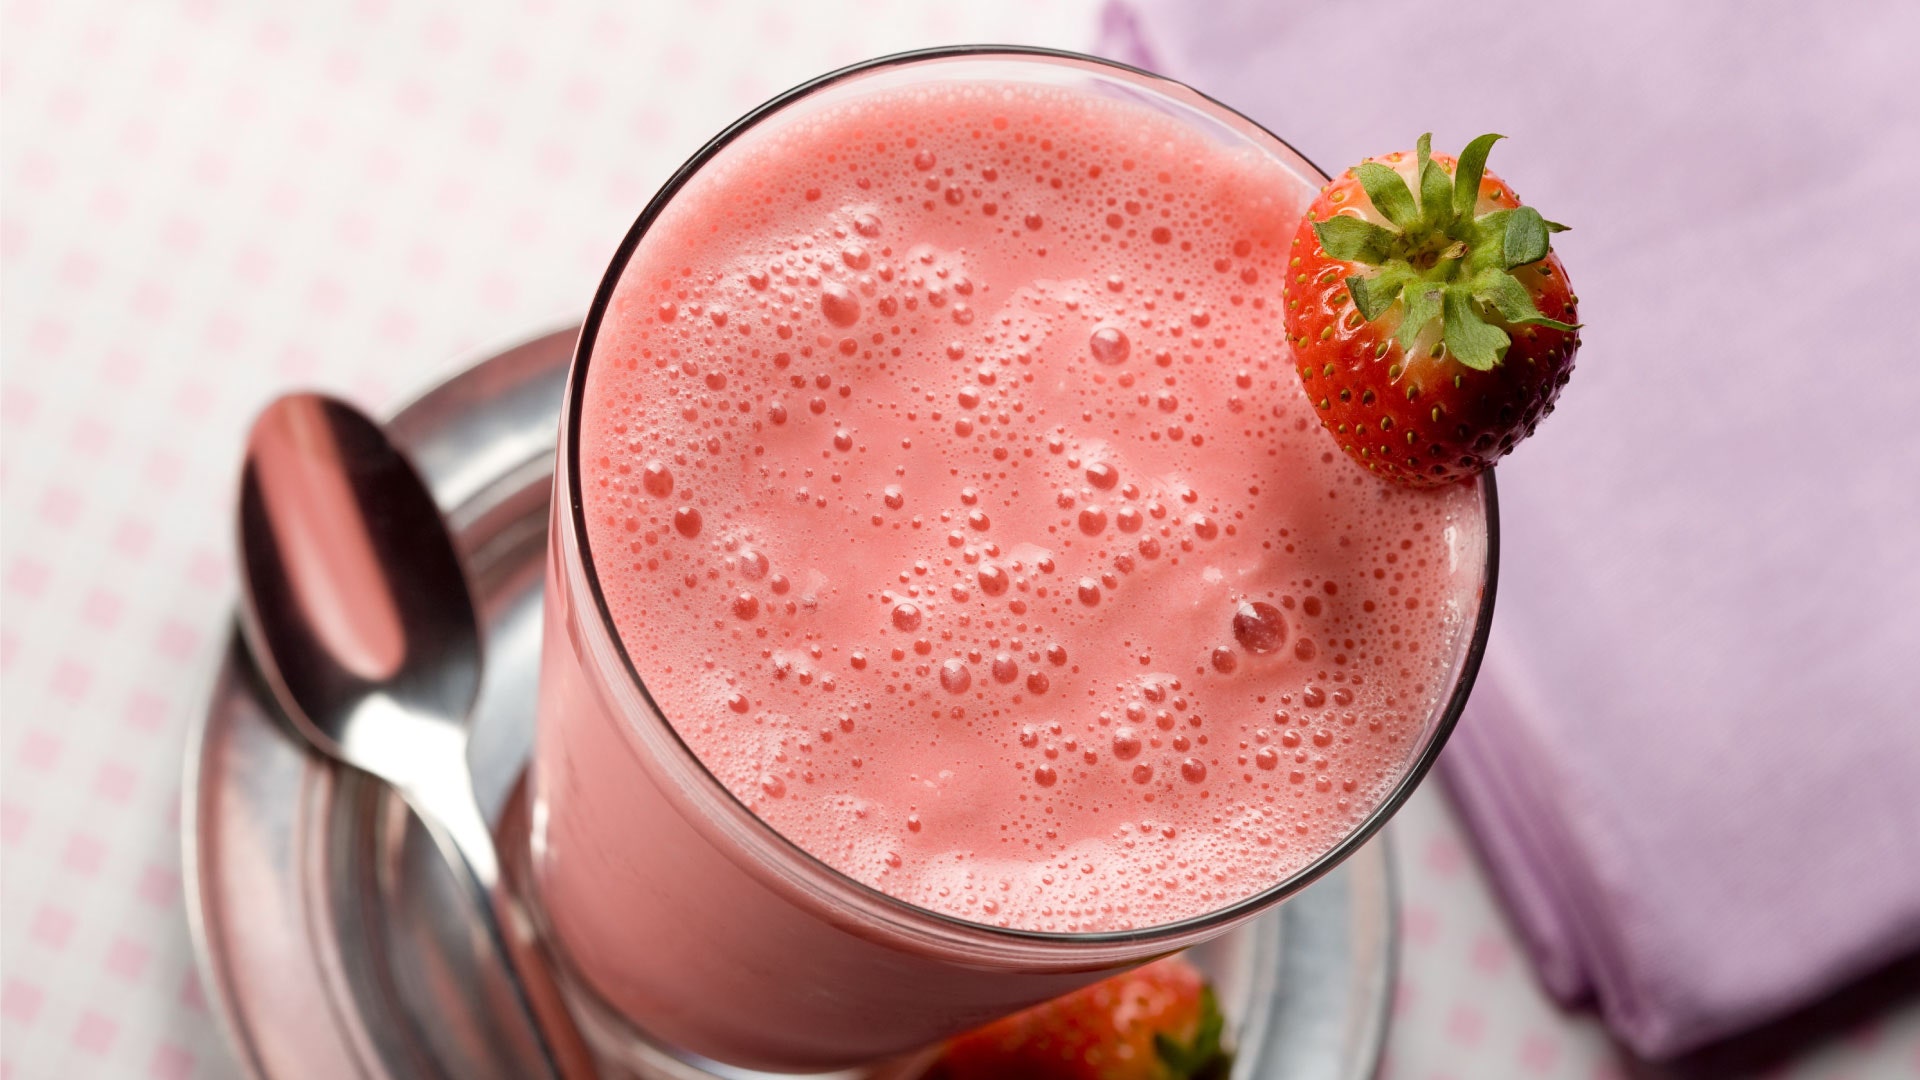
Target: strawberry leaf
x=1203 y=1057
x=1487 y=239
x=1436 y=196
x=1422 y=153
x=1511 y=299
x=1526 y=239
x=1374 y=295
x=1507 y=296
x=1352 y=239
x=1389 y=194
x=1468 y=173
x=1469 y=338
x=1423 y=303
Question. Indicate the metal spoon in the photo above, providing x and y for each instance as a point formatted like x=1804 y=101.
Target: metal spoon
x=359 y=616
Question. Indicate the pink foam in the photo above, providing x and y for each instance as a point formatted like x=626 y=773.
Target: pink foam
x=931 y=449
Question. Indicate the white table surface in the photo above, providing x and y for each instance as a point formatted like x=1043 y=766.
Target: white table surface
x=206 y=202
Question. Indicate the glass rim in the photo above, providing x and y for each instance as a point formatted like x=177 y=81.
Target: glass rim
x=1220 y=917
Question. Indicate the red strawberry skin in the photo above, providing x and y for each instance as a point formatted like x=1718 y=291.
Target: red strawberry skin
x=1117 y=1029
x=1415 y=415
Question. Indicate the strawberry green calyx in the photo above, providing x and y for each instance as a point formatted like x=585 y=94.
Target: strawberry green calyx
x=1202 y=1057
x=1437 y=259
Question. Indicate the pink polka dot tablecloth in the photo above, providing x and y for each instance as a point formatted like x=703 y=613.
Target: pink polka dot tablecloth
x=204 y=203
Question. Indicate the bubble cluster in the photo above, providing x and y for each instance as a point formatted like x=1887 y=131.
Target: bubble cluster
x=951 y=490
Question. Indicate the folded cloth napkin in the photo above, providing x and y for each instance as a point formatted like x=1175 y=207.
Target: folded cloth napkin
x=1692 y=762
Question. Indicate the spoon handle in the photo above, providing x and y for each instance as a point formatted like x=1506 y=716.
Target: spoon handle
x=445 y=803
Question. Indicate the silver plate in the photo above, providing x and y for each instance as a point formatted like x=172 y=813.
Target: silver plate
x=324 y=923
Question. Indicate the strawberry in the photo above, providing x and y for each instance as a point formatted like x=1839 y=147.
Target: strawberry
x=1432 y=331
x=1158 y=1022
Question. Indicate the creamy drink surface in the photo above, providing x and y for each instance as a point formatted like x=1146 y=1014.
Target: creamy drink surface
x=948 y=485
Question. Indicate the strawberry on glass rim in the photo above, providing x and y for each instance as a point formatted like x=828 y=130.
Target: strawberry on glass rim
x=1430 y=320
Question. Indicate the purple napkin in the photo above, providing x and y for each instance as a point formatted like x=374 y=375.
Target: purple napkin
x=1692 y=761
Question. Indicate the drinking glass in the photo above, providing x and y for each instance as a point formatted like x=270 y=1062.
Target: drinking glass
x=683 y=921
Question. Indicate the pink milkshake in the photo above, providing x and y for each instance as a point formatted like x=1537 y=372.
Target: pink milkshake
x=945 y=485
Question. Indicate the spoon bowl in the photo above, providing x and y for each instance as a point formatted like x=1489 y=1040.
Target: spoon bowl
x=356 y=603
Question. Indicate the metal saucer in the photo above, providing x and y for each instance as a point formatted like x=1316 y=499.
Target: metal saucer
x=326 y=928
